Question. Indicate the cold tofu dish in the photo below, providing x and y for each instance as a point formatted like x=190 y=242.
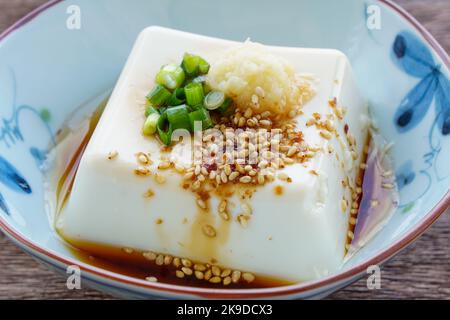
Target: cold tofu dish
x=224 y=163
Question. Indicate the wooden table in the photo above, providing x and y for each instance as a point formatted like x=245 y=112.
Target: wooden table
x=422 y=271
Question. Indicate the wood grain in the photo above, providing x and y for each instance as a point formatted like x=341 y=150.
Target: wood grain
x=421 y=272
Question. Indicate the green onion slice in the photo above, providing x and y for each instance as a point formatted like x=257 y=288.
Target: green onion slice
x=225 y=108
x=203 y=66
x=194 y=65
x=164 y=129
x=171 y=76
x=194 y=94
x=151 y=124
x=178 y=98
x=179 y=117
x=203 y=116
x=149 y=109
x=159 y=96
x=214 y=100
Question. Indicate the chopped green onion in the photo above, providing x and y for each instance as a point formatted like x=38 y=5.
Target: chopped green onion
x=194 y=65
x=214 y=100
x=171 y=76
x=164 y=129
x=150 y=109
x=151 y=124
x=179 y=117
x=194 y=94
x=199 y=79
x=203 y=116
x=190 y=64
x=178 y=97
x=159 y=96
x=226 y=106
x=203 y=66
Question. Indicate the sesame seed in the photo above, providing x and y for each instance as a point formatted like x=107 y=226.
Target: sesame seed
x=215 y=280
x=142 y=171
x=326 y=135
x=227 y=281
x=208 y=274
x=260 y=92
x=149 y=193
x=388 y=186
x=354 y=211
x=243 y=220
x=151 y=279
x=387 y=174
x=159 y=260
x=292 y=150
x=187 y=271
x=248 y=113
x=199 y=275
x=149 y=255
x=186 y=263
x=160 y=179
x=350 y=234
x=142 y=158
x=236 y=276
x=283 y=176
x=216 y=271
x=225 y=273
x=209 y=231
x=168 y=260
x=374 y=203
x=245 y=179
x=176 y=262
x=201 y=204
x=159 y=221
x=112 y=155
x=265 y=123
x=199 y=267
x=164 y=165
x=344 y=205
x=352 y=221
x=188 y=176
x=179 y=274
x=248 y=277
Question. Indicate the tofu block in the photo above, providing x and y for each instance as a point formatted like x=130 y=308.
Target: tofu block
x=297 y=231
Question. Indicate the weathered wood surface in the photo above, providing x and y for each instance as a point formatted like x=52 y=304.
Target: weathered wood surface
x=422 y=271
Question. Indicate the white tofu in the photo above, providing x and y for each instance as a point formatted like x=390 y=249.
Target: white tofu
x=298 y=236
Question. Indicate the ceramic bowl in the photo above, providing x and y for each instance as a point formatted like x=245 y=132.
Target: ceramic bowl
x=50 y=66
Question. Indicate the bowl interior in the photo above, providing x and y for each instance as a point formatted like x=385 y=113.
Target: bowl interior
x=48 y=71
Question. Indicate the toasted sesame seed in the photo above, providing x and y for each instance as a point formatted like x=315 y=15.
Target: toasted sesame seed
x=216 y=270
x=201 y=204
x=142 y=158
x=225 y=273
x=186 y=263
x=354 y=211
x=260 y=92
x=209 y=231
x=387 y=174
x=248 y=113
x=168 y=260
x=160 y=179
x=388 y=186
x=164 y=165
x=112 y=155
x=151 y=279
x=187 y=271
x=188 y=175
x=243 y=220
x=199 y=267
x=215 y=280
x=326 y=135
x=235 y=276
x=159 y=260
x=352 y=221
x=208 y=274
x=350 y=234
x=245 y=179
x=363 y=166
x=248 y=277
x=283 y=176
x=354 y=155
x=374 y=203
x=149 y=255
x=179 y=274
x=292 y=150
x=265 y=123
x=149 y=193
x=223 y=206
x=227 y=281
x=199 y=275
x=344 y=205
x=176 y=262
x=142 y=171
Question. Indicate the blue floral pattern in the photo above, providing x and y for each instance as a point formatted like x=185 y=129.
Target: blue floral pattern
x=10 y=135
x=415 y=59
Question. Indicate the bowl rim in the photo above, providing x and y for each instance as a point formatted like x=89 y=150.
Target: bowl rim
x=51 y=257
